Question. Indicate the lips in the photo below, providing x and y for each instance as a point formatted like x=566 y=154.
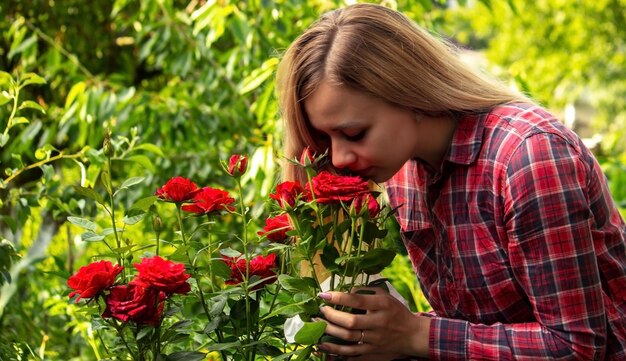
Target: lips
x=365 y=173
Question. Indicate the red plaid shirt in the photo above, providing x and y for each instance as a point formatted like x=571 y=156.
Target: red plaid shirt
x=516 y=242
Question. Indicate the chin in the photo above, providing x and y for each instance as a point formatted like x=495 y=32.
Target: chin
x=379 y=178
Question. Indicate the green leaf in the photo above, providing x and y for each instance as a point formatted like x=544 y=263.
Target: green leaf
x=223 y=346
x=5 y=78
x=258 y=76
x=22 y=46
x=90 y=236
x=220 y=269
x=304 y=354
x=144 y=332
x=141 y=160
x=89 y=193
x=31 y=105
x=150 y=148
x=18 y=120
x=376 y=260
x=180 y=255
x=83 y=223
x=229 y=252
x=219 y=303
x=105 y=178
x=77 y=89
x=129 y=183
x=310 y=333
x=5 y=97
x=133 y=216
x=328 y=257
x=4 y=139
x=186 y=356
x=294 y=284
x=32 y=78
x=182 y=324
x=144 y=203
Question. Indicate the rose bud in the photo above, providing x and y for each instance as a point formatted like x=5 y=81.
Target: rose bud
x=237 y=165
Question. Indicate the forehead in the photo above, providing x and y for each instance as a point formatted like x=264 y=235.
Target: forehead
x=333 y=106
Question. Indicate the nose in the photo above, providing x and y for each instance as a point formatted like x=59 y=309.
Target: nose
x=342 y=155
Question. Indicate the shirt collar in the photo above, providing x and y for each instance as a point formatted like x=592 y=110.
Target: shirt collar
x=467 y=139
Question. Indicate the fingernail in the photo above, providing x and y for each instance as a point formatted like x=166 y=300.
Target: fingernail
x=324 y=295
x=322 y=348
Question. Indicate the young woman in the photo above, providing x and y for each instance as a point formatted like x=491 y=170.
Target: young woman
x=505 y=214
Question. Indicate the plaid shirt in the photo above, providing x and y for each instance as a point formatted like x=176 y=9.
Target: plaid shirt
x=516 y=242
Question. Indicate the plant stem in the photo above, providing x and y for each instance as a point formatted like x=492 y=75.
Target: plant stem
x=120 y=259
x=210 y=252
x=120 y=332
x=42 y=162
x=250 y=355
x=13 y=111
x=194 y=272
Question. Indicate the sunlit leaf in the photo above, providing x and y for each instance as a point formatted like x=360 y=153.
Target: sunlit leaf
x=83 y=223
x=310 y=333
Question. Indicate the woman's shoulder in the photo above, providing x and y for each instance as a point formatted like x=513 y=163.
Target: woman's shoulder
x=524 y=120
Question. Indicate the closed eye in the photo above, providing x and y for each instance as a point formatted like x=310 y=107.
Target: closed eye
x=355 y=137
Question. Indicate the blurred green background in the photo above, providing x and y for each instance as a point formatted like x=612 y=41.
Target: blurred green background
x=184 y=84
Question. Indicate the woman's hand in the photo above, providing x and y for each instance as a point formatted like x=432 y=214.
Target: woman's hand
x=387 y=330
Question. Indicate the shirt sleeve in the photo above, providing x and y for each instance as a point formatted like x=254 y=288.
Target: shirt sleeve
x=551 y=252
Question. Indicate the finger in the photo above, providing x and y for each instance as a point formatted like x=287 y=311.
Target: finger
x=367 y=358
x=351 y=335
x=366 y=290
x=355 y=300
x=344 y=350
x=347 y=320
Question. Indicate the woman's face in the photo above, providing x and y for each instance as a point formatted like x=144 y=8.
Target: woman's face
x=365 y=135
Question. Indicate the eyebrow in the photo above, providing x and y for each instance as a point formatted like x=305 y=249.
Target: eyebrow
x=347 y=125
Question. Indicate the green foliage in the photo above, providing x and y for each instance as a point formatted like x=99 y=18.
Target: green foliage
x=562 y=53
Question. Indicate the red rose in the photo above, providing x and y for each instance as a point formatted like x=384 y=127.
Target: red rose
x=331 y=188
x=287 y=193
x=134 y=303
x=177 y=190
x=237 y=269
x=237 y=165
x=210 y=200
x=263 y=266
x=276 y=228
x=260 y=266
x=162 y=275
x=93 y=279
x=373 y=207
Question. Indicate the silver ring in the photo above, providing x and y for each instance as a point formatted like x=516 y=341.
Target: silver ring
x=360 y=341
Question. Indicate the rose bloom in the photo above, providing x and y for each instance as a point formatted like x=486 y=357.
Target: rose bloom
x=134 y=303
x=93 y=279
x=210 y=200
x=373 y=207
x=276 y=228
x=261 y=266
x=162 y=275
x=237 y=165
x=288 y=192
x=331 y=188
x=177 y=190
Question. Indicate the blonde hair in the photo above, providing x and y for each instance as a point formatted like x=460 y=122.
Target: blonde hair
x=379 y=51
